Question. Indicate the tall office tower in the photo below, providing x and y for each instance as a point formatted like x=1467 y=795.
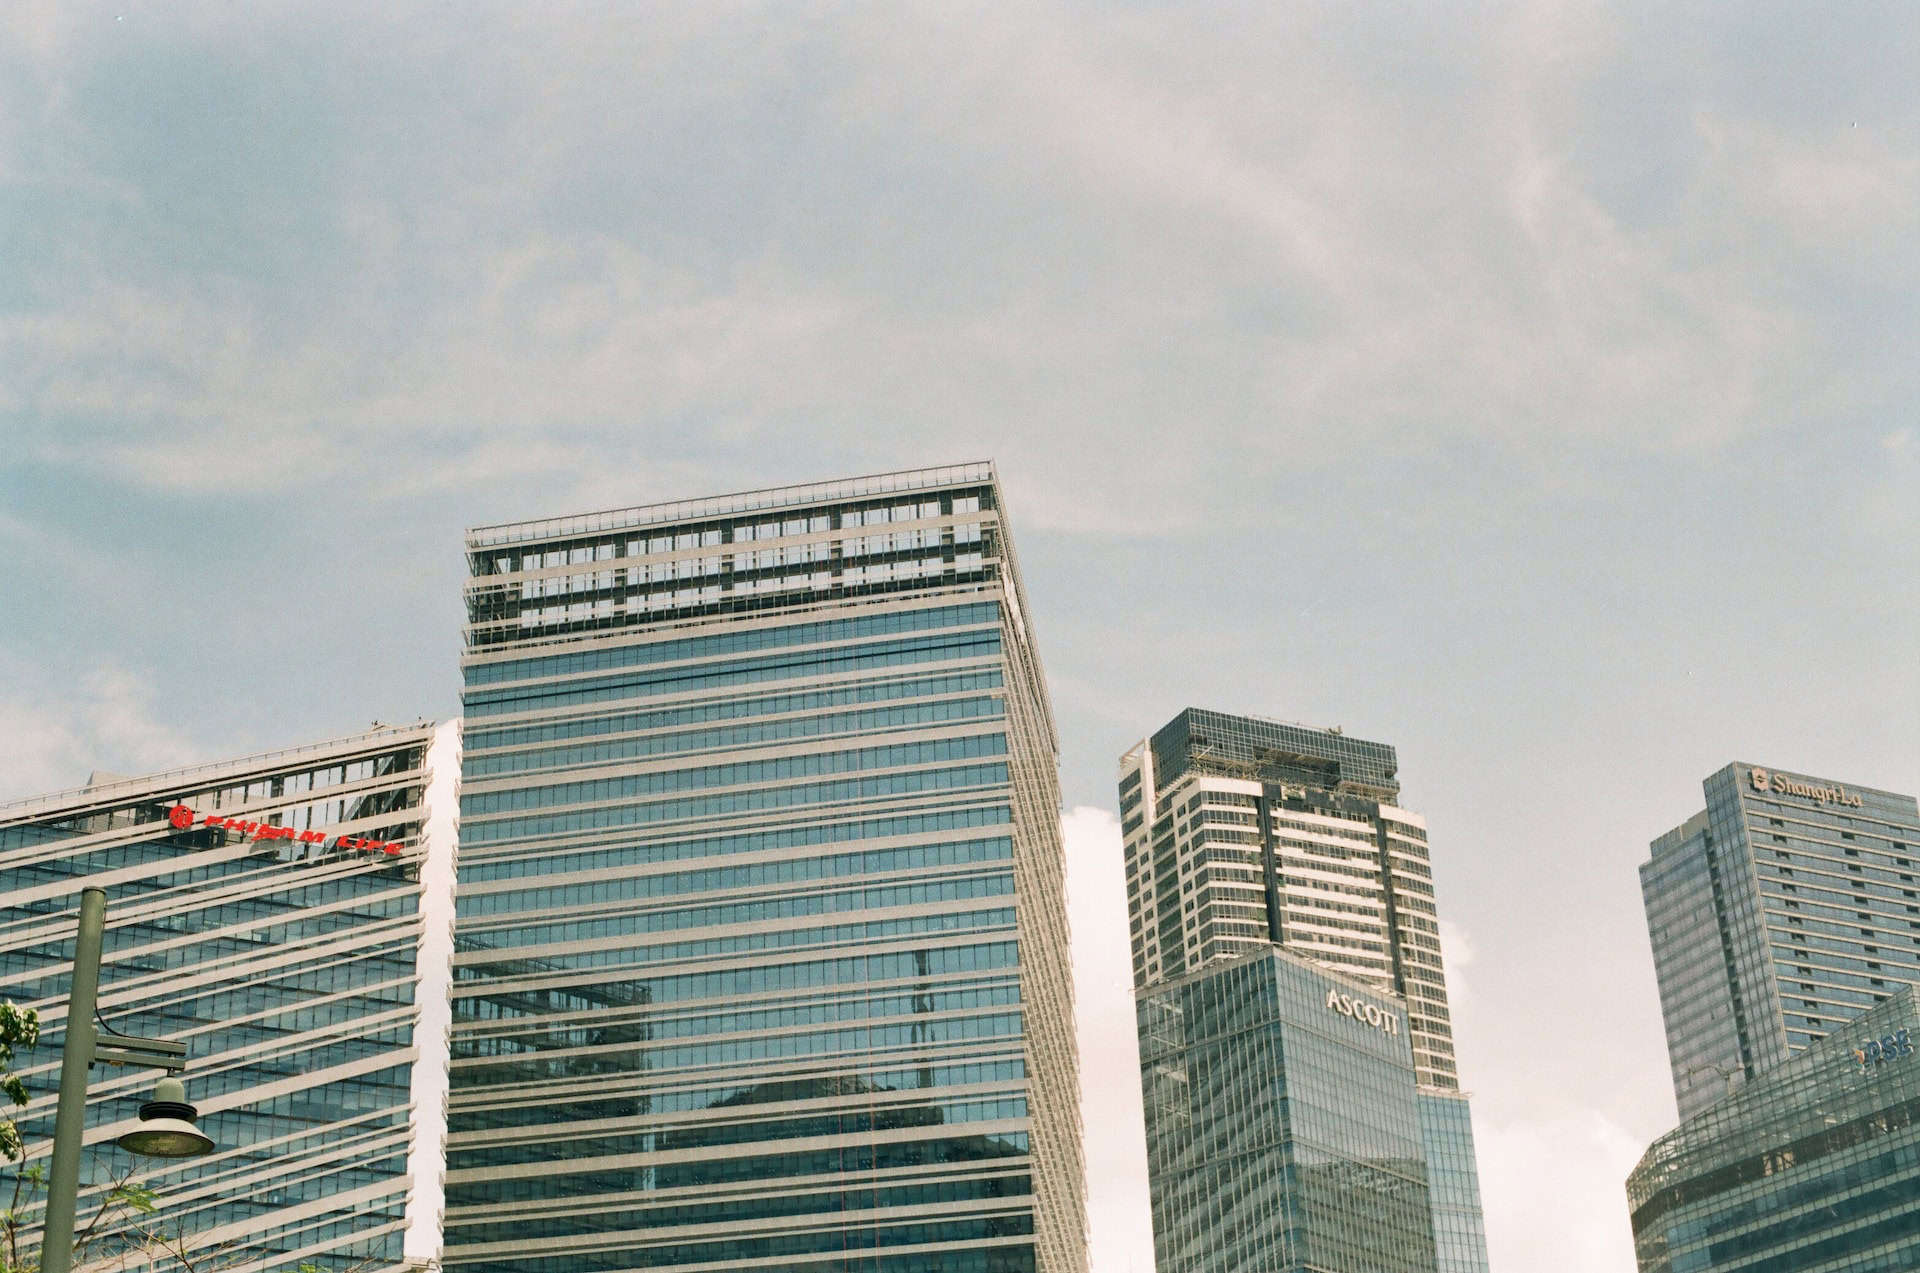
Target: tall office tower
x=1242 y=834
x=266 y=912
x=761 y=952
x=1813 y=1167
x=1783 y=909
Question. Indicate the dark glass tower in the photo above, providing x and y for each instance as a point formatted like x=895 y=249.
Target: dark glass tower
x=266 y=912
x=1784 y=909
x=761 y=937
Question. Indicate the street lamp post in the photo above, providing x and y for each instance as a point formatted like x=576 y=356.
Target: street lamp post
x=169 y=1130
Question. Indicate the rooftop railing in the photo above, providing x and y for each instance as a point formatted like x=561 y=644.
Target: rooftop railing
x=108 y=791
x=729 y=505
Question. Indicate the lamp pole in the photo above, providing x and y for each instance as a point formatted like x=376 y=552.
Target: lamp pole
x=76 y=1058
x=77 y=1055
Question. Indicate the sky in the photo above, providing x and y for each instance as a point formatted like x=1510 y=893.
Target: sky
x=1530 y=386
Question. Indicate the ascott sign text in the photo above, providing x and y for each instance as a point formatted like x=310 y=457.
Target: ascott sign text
x=1763 y=780
x=184 y=818
x=1371 y=1013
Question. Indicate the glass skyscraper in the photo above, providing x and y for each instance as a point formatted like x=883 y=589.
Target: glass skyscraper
x=1243 y=834
x=1784 y=909
x=1281 y=1122
x=266 y=912
x=1811 y=1167
x=761 y=955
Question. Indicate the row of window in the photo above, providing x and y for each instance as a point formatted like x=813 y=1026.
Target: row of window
x=916 y=857
x=822 y=663
x=818 y=632
x=469 y=981
x=831 y=1205
x=913 y=782
x=736 y=773
x=565 y=1105
x=758 y=910
x=616 y=854
x=829 y=935
x=730 y=708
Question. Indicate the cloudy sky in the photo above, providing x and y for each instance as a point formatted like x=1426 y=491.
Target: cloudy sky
x=1530 y=386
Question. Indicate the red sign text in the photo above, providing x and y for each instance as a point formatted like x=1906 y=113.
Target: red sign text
x=183 y=818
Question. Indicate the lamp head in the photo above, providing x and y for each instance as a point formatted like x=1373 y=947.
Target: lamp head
x=166 y=1125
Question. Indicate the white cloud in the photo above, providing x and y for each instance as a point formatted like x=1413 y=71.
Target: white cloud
x=1456 y=953
x=430 y=1085
x=52 y=738
x=1831 y=190
x=1555 y=1190
x=1117 y=244
x=1118 y=1205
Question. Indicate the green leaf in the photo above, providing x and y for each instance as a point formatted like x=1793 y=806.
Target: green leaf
x=135 y=1197
x=18 y=1027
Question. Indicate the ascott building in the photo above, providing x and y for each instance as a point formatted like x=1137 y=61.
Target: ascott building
x=761 y=935
x=1245 y=838
x=265 y=912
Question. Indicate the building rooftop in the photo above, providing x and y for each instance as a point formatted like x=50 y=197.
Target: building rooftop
x=728 y=505
x=1198 y=740
x=103 y=787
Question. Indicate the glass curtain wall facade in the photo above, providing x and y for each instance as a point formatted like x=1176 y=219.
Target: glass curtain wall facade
x=267 y=913
x=1812 y=1167
x=1282 y=1123
x=1243 y=834
x=1783 y=910
x=1453 y=1181
x=761 y=954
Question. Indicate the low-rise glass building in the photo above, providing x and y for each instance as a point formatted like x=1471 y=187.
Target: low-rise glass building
x=266 y=912
x=1284 y=1134
x=1812 y=1168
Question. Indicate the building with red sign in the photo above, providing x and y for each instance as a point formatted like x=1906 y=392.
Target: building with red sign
x=267 y=912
